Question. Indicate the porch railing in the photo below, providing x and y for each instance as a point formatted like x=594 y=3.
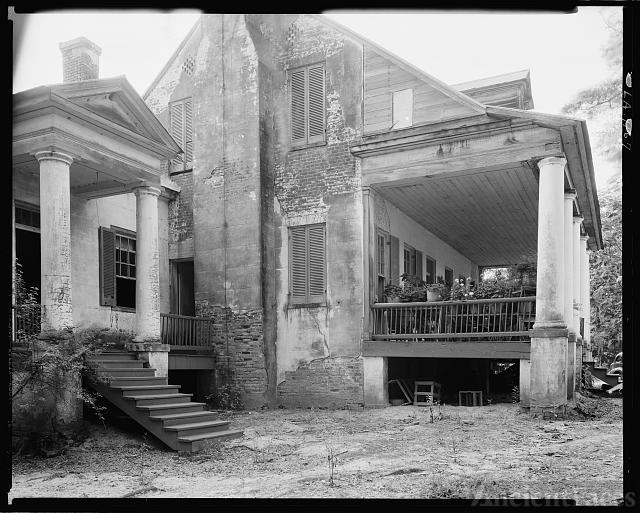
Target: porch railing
x=185 y=332
x=487 y=319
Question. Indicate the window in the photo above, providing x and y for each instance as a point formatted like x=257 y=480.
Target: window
x=402 y=108
x=409 y=260
x=307 y=264
x=412 y=261
x=307 y=104
x=431 y=270
x=117 y=267
x=448 y=276
x=27 y=218
x=181 y=123
x=461 y=277
x=382 y=262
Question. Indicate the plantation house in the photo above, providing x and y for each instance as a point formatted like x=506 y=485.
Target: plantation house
x=244 y=216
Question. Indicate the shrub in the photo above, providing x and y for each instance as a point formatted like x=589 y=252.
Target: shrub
x=226 y=397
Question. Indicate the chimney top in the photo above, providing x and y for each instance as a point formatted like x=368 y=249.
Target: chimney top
x=79 y=60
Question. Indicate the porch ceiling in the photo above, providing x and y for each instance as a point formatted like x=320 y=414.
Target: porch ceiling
x=491 y=216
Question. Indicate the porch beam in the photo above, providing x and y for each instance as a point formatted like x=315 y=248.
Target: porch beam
x=479 y=349
x=446 y=156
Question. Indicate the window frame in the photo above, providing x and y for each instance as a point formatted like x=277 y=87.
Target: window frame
x=122 y=233
x=408 y=249
x=307 y=140
x=395 y=123
x=448 y=270
x=308 y=299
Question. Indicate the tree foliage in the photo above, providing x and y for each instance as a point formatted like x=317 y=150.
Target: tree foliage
x=606 y=277
x=601 y=105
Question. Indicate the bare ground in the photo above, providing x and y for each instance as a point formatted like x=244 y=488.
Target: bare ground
x=493 y=451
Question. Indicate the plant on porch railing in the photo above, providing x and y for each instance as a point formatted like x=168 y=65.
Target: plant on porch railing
x=438 y=290
x=461 y=290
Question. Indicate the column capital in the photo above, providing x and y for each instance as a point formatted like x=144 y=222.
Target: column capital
x=560 y=160
x=570 y=194
x=151 y=190
x=578 y=219
x=584 y=238
x=53 y=155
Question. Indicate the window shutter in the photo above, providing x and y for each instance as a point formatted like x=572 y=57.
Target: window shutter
x=188 y=131
x=419 y=264
x=298 y=107
x=395 y=260
x=107 y=257
x=316 y=259
x=298 y=263
x=177 y=130
x=316 y=103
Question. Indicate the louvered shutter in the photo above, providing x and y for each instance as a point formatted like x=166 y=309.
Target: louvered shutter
x=298 y=107
x=419 y=264
x=177 y=131
x=107 y=258
x=315 y=97
x=431 y=270
x=316 y=262
x=395 y=260
x=298 y=264
x=188 y=132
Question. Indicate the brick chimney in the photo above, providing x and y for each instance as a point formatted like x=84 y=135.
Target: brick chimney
x=79 y=60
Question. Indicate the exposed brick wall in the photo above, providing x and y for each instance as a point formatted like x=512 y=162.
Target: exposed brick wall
x=326 y=382
x=78 y=67
x=238 y=348
x=181 y=209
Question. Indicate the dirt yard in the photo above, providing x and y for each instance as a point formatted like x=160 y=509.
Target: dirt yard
x=401 y=452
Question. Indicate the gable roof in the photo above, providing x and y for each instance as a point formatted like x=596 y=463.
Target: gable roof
x=437 y=84
x=513 y=76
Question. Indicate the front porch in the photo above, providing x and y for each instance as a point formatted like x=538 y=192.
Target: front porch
x=445 y=201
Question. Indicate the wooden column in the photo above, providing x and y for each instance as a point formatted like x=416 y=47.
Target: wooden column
x=548 y=385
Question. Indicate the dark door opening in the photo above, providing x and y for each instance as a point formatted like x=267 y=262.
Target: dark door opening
x=182 y=289
x=28 y=256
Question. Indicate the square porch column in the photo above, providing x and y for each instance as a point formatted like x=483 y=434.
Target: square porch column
x=376 y=377
x=548 y=385
x=55 y=240
x=147 y=324
x=585 y=298
x=575 y=271
x=569 y=198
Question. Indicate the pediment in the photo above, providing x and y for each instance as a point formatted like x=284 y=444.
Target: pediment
x=116 y=101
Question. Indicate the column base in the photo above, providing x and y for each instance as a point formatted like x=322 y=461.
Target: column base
x=548 y=385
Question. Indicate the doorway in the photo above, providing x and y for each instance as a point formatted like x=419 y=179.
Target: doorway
x=182 y=288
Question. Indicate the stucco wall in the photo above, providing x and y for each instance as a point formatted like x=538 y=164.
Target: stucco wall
x=397 y=223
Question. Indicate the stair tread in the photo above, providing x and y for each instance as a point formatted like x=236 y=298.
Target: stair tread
x=157 y=396
x=196 y=425
x=98 y=360
x=143 y=387
x=111 y=369
x=204 y=436
x=136 y=378
x=167 y=406
x=178 y=416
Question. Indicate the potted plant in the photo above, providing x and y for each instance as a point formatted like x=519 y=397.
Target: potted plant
x=437 y=290
x=413 y=289
x=392 y=293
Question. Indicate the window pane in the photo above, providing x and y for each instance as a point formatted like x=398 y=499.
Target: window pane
x=132 y=258
x=118 y=269
x=133 y=244
x=132 y=271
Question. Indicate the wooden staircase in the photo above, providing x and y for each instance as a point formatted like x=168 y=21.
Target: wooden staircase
x=157 y=406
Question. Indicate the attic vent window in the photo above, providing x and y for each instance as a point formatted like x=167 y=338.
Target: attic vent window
x=188 y=66
x=293 y=33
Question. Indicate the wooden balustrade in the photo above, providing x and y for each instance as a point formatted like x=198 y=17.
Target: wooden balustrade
x=480 y=319
x=185 y=332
